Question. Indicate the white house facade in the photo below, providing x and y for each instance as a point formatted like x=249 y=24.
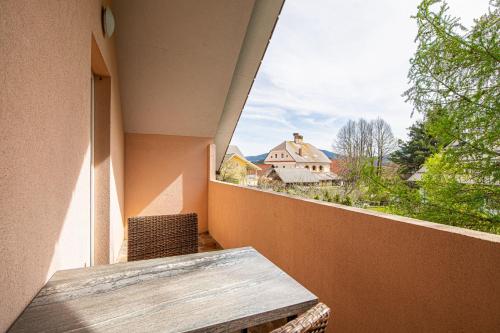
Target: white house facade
x=298 y=154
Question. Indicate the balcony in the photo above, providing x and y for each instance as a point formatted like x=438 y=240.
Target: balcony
x=144 y=135
x=378 y=272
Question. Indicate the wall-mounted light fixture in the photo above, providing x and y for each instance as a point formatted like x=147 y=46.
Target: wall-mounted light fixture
x=108 y=22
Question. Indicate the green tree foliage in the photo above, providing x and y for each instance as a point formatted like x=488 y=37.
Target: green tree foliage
x=455 y=85
x=412 y=154
x=451 y=199
x=232 y=172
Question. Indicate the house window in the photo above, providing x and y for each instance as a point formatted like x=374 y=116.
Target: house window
x=314 y=168
x=275 y=155
x=320 y=168
x=283 y=166
x=307 y=166
x=282 y=155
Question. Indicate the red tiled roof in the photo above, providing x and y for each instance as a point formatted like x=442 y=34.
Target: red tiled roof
x=335 y=167
x=264 y=168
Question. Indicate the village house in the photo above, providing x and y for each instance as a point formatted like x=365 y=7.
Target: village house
x=237 y=169
x=298 y=162
x=298 y=154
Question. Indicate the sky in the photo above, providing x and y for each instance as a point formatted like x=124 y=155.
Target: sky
x=334 y=60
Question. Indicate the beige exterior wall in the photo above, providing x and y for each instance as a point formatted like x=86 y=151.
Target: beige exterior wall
x=326 y=166
x=275 y=156
x=287 y=165
x=45 y=66
x=378 y=273
x=166 y=174
x=295 y=165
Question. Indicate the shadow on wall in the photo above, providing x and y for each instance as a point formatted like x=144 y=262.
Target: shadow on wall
x=101 y=163
x=108 y=148
x=45 y=152
x=46 y=211
x=48 y=196
x=166 y=175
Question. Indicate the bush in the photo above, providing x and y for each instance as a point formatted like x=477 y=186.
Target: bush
x=346 y=201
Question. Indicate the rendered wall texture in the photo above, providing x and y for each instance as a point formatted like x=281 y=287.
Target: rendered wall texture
x=378 y=273
x=45 y=67
x=166 y=174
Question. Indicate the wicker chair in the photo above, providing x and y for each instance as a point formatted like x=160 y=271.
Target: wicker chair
x=313 y=320
x=162 y=236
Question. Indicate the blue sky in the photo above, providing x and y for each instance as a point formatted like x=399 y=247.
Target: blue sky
x=334 y=60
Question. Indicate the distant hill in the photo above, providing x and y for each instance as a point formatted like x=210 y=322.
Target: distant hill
x=260 y=158
x=330 y=154
x=257 y=158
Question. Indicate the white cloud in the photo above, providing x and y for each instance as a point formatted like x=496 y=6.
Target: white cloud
x=331 y=60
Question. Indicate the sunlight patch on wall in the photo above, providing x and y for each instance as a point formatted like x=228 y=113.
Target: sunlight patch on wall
x=72 y=249
x=116 y=232
x=169 y=200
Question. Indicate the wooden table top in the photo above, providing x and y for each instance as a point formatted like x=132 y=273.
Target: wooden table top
x=219 y=291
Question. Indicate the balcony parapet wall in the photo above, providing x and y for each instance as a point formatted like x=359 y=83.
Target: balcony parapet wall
x=378 y=272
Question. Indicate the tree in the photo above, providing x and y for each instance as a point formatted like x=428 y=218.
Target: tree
x=412 y=154
x=363 y=142
x=232 y=172
x=455 y=85
x=383 y=140
x=449 y=198
x=454 y=79
x=354 y=144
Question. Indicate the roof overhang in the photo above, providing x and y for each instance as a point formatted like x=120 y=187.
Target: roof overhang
x=186 y=66
x=260 y=29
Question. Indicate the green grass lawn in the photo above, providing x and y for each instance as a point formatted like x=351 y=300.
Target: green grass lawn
x=381 y=209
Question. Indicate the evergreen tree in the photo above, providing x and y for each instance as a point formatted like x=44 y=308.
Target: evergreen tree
x=412 y=154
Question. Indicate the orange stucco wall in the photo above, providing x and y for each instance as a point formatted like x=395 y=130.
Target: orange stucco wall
x=378 y=273
x=166 y=174
x=45 y=66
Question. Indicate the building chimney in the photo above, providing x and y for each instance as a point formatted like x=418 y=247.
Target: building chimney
x=297 y=138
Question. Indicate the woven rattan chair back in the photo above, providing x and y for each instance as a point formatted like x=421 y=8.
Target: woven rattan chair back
x=313 y=320
x=162 y=236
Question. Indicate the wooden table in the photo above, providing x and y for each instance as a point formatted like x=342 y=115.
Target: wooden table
x=220 y=291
